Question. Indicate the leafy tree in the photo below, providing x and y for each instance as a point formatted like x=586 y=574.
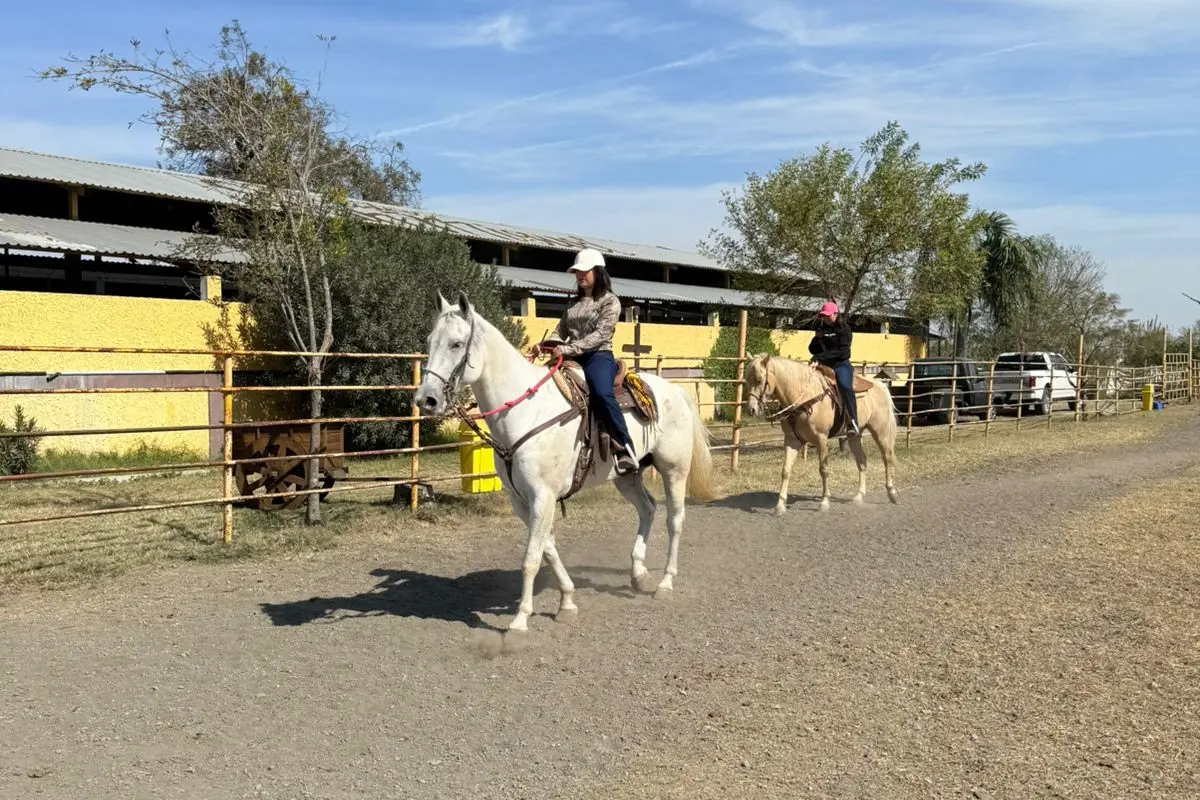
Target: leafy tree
x=877 y=232
x=758 y=340
x=291 y=229
x=384 y=294
x=1009 y=264
x=1064 y=299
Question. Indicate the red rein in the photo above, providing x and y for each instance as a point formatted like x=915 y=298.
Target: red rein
x=530 y=392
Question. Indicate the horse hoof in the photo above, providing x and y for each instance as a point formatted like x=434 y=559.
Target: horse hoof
x=823 y=508
x=566 y=615
x=858 y=500
x=779 y=510
x=662 y=593
x=643 y=583
x=894 y=496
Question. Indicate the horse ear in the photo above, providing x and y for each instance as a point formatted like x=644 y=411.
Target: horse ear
x=442 y=304
x=464 y=305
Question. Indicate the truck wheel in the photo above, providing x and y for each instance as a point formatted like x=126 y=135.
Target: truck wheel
x=1043 y=407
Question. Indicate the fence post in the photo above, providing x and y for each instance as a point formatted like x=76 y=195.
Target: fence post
x=414 y=459
x=987 y=414
x=912 y=371
x=737 y=391
x=227 y=448
x=953 y=402
x=1050 y=402
x=1191 y=371
x=1079 y=382
x=1164 y=363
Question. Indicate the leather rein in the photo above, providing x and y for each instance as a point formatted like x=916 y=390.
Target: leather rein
x=450 y=388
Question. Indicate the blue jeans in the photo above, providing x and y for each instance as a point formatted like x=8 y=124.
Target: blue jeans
x=845 y=380
x=600 y=370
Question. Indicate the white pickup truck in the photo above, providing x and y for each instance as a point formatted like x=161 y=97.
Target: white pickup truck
x=1037 y=381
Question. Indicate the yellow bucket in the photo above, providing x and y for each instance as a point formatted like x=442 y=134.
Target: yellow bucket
x=475 y=457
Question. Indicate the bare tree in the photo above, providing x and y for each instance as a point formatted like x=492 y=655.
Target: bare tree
x=239 y=115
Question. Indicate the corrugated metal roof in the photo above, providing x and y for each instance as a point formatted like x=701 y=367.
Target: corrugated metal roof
x=70 y=236
x=564 y=282
x=183 y=186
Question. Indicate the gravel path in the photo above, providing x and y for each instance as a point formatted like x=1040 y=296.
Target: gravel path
x=774 y=671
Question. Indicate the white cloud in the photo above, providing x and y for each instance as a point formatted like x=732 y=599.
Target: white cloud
x=507 y=31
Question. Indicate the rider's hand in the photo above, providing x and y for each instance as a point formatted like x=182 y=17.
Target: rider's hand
x=535 y=351
x=557 y=353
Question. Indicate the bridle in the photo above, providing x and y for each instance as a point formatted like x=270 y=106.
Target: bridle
x=450 y=385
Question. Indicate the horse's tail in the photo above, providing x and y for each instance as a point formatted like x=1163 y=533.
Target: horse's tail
x=701 y=483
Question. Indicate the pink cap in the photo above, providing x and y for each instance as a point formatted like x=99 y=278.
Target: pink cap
x=829 y=309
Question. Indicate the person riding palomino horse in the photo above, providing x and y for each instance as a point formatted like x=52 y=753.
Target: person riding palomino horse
x=830 y=347
x=585 y=335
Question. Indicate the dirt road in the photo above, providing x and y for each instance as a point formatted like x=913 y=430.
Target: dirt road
x=911 y=651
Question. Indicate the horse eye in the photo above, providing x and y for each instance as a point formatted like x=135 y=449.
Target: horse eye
x=456 y=346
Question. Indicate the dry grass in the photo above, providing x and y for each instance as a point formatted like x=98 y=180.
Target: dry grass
x=65 y=553
x=1067 y=668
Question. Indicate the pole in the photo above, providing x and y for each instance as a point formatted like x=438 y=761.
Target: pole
x=1164 y=374
x=987 y=423
x=227 y=449
x=1079 y=382
x=737 y=391
x=1191 y=371
x=414 y=461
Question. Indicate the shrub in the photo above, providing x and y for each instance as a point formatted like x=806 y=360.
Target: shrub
x=758 y=340
x=19 y=456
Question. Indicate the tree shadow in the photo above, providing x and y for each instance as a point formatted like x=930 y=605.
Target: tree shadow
x=408 y=593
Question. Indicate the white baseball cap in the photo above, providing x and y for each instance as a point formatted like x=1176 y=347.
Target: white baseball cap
x=586 y=260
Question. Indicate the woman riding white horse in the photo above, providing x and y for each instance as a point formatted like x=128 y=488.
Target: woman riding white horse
x=586 y=332
x=536 y=433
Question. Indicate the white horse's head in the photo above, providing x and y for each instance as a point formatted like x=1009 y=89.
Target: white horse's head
x=454 y=361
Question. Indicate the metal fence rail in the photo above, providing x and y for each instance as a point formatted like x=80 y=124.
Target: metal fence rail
x=954 y=394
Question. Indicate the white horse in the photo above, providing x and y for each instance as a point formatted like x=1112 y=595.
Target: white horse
x=465 y=349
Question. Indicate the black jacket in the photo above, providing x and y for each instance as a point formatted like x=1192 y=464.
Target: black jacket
x=831 y=343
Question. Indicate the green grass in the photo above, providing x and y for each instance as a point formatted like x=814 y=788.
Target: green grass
x=53 y=460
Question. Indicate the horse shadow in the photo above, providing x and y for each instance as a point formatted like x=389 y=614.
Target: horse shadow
x=764 y=502
x=420 y=595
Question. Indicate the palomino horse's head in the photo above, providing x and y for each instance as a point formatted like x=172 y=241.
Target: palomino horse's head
x=760 y=384
x=453 y=347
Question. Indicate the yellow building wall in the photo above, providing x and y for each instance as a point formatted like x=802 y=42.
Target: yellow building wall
x=69 y=320
x=66 y=320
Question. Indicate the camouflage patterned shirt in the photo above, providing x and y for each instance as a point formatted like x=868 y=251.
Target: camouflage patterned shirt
x=588 y=325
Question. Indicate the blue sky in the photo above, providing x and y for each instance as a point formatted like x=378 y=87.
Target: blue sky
x=626 y=120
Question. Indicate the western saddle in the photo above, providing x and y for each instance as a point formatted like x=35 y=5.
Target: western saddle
x=841 y=419
x=632 y=394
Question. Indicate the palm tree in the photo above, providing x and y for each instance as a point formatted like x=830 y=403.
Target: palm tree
x=1010 y=260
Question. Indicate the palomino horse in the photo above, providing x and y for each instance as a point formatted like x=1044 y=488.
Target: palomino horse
x=536 y=433
x=809 y=414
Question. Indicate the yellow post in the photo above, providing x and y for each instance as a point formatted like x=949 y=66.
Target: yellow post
x=414 y=460
x=1148 y=397
x=737 y=391
x=227 y=449
x=476 y=458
